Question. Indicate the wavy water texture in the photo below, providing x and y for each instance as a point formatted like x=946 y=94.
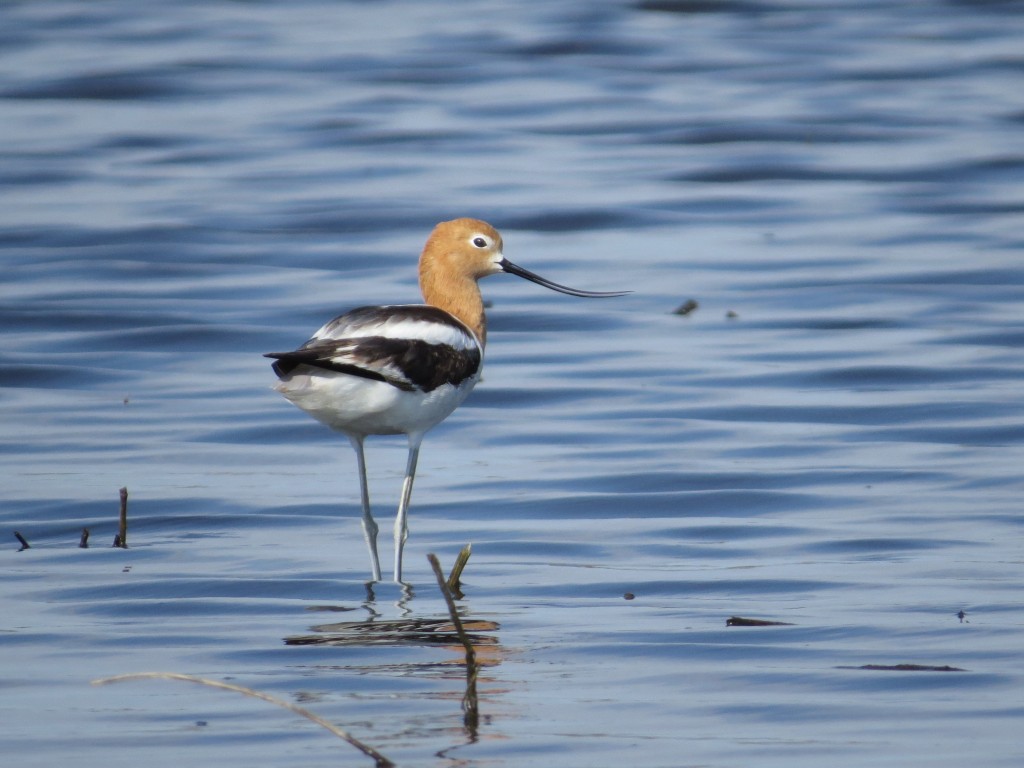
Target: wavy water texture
x=832 y=438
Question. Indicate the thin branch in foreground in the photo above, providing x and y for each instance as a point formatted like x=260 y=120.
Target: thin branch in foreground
x=379 y=759
x=455 y=577
x=471 y=716
x=452 y=611
x=121 y=538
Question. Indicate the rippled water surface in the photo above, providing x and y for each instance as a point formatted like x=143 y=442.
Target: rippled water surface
x=831 y=439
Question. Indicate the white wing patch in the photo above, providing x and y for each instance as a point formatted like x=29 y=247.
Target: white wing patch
x=416 y=321
x=412 y=348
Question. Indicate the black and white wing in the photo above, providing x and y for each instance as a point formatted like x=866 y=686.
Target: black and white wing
x=413 y=348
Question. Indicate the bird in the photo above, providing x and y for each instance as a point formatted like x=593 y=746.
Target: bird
x=403 y=369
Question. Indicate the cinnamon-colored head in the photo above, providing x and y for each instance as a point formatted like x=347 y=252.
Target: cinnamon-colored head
x=457 y=254
x=460 y=252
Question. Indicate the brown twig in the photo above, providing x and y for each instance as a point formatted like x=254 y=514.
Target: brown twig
x=739 y=621
x=379 y=759
x=686 y=308
x=906 y=668
x=470 y=709
x=121 y=539
x=24 y=543
x=454 y=582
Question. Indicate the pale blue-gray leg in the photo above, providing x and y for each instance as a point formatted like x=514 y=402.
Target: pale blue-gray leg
x=402 y=518
x=369 y=525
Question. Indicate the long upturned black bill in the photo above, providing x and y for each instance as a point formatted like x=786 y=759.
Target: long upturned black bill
x=513 y=269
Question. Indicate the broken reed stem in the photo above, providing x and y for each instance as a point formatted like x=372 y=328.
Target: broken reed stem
x=23 y=541
x=379 y=759
x=455 y=577
x=122 y=528
x=452 y=612
x=471 y=713
x=83 y=542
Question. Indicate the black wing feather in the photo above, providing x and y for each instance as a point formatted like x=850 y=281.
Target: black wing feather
x=408 y=363
x=286 y=362
x=424 y=366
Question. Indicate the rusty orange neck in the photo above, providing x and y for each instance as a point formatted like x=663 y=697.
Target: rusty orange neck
x=455 y=293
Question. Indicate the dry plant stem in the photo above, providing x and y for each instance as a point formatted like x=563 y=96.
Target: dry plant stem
x=455 y=577
x=23 y=541
x=379 y=759
x=452 y=612
x=469 y=701
x=122 y=530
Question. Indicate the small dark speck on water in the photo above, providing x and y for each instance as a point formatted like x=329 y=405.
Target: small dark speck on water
x=688 y=307
x=628 y=596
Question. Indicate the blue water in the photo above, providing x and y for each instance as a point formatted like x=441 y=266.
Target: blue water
x=832 y=439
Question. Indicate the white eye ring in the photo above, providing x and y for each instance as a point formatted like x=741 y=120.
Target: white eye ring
x=480 y=241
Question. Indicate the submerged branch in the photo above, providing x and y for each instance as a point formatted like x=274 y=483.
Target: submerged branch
x=379 y=759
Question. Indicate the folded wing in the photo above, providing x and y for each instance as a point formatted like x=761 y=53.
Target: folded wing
x=413 y=348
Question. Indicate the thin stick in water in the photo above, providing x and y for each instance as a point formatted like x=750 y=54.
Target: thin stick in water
x=379 y=759
x=121 y=540
x=471 y=716
x=455 y=577
x=24 y=542
x=84 y=541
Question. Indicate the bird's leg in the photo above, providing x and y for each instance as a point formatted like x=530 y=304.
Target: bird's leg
x=401 y=519
x=369 y=525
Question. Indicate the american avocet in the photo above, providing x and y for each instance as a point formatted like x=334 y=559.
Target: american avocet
x=392 y=370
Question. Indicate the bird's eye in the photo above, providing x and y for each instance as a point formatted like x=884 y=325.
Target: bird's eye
x=479 y=242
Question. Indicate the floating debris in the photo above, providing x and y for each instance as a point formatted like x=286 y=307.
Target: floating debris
x=331 y=608
x=121 y=537
x=906 y=668
x=396 y=632
x=687 y=307
x=739 y=621
x=24 y=543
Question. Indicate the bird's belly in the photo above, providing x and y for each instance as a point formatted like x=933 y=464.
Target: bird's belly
x=355 y=405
